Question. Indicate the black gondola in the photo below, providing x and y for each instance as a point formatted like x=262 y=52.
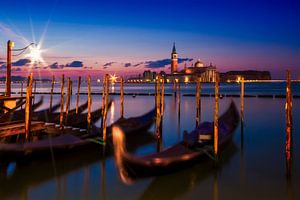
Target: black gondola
x=178 y=156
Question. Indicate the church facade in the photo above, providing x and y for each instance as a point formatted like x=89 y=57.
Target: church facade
x=190 y=74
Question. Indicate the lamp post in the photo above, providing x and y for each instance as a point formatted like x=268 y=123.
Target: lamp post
x=10 y=46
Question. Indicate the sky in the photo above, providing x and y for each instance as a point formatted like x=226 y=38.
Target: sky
x=130 y=36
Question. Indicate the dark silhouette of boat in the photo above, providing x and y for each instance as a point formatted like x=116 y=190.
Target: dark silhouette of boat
x=70 y=142
x=45 y=115
x=179 y=156
x=73 y=119
x=17 y=113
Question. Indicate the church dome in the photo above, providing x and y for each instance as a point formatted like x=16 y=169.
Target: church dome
x=199 y=63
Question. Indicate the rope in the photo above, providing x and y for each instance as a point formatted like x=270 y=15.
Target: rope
x=22 y=49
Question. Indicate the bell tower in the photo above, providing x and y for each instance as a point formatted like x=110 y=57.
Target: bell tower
x=174 y=60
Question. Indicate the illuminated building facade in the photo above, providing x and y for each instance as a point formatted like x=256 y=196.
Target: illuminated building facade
x=190 y=74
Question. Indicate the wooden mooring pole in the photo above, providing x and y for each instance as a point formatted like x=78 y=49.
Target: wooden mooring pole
x=178 y=96
x=71 y=87
x=103 y=95
x=162 y=96
x=10 y=45
x=103 y=102
x=61 y=117
x=158 y=107
x=216 y=114
x=242 y=99
x=89 y=117
x=34 y=91
x=51 y=92
x=28 y=107
x=105 y=106
x=22 y=88
x=68 y=97
x=159 y=99
x=289 y=124
x=122 y=97
x=198 y=101
x=21 y=92
x=174 y=88
x=78 y=94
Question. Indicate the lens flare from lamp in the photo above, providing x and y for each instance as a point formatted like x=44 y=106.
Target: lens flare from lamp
x=35 y=54
x=113 y=78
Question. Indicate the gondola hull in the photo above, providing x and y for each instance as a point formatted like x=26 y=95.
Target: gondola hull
x=179 y=156
x=70 y=143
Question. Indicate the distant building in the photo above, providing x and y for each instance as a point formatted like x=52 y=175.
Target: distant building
x=190 y=74
x=187 y=75
x=248 y=75
x=174 y=60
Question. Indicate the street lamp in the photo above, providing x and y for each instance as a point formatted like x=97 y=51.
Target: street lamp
x=10 y=46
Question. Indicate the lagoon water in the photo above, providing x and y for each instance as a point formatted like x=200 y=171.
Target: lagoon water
x=254 y=167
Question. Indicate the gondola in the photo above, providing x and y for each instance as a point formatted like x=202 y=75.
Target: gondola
x=45 y=115
x=195 y=146
x=134 y=124
x=53 y=117
x=186 y=180
x=70 y=142
x=18 y=114
x=78 y=120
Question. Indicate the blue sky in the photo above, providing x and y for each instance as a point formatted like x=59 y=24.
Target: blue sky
x=262 y=35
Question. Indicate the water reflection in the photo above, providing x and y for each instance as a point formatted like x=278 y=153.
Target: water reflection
x=27 y=175
x=119 y=150
x=289 y=159
x=103 y=180
x=178 y=118
x=112 y=113
x=216 y=187
x=164 y=187
x=113 y=87
x=262 y=140
x=86 y=181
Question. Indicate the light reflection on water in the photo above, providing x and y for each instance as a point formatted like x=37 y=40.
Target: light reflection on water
x=252 y=168
x=112 y=113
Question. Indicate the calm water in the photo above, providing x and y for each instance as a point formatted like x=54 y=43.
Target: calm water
x=252 y=168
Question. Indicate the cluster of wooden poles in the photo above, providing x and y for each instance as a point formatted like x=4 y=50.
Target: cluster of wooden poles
x=159 y=103
x=64 y=110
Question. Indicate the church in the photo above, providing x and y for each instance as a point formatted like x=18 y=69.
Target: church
x=190 y=74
